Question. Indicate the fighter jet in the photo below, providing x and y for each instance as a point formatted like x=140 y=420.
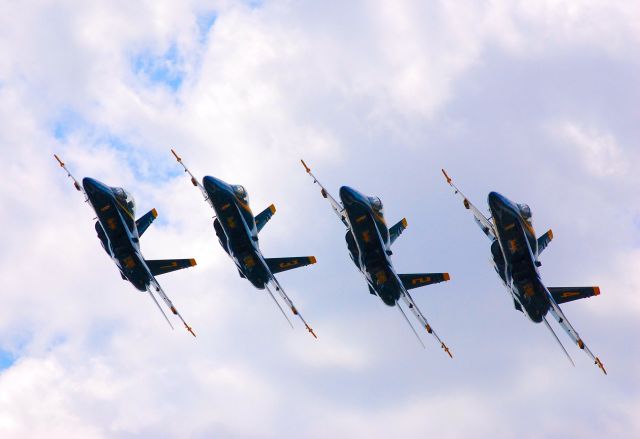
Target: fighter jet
x=369 y=243
x=119 y=233
x=516 y=258
x=237 y=230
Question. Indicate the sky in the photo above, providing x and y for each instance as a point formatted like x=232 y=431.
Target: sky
x=536 y=100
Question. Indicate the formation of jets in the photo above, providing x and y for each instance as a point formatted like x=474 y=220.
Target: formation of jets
x=515 y=250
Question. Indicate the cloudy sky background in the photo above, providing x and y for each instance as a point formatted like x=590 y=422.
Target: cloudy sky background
x=537 y=100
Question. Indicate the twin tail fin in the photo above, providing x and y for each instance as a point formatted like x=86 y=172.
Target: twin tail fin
x=145 y=221
x=263 y=217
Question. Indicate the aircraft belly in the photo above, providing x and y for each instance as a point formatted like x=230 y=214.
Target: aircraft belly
x=117 y=235
x=114 y=227
x=370 y=247
x=232 y=222
x=372 y=257
x=384 y=281
x=520 y=270
x=110 y=215
x=134 y=269
x=353 y=249
x=253 y=267
x=535 y=305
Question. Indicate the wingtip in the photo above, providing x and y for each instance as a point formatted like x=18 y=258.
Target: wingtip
x=550 y=232
x=176 y=155
x=446 y=176
x=600 y=365
x=272 y=208
x=446 y=276
x=596 y=291
x=58 y=159
x=192 y=262
x=312 y=260
x=310 y=329
x=305 y=166
x=154 y=213
x=190 y=329
x=404 y=223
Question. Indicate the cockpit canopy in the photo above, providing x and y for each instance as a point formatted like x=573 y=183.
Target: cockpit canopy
x=125 y=199
x=240 y=192
x=525 y=211
x=376 y=204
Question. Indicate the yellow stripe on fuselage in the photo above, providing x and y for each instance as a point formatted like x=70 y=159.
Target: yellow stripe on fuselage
x=528 y=227
x=244 y=206
x=125 y=209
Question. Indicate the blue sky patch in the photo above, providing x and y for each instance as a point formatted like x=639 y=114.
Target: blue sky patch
x=146 y=165
x=163 y=70
x=254 y=4
x=6 y=359
x=67 y=122
x=205 y=23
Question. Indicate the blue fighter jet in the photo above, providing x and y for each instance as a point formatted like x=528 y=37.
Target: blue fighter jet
x=237 y=231
x=119 y=233
x=516 y=258
x=369 y=243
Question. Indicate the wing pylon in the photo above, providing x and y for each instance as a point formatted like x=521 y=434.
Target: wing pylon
x=404 y=315
x=159 y=307
x=76 y=183
x=557 y=313
x=485 y=224
x=158 y=289
x=194 y=180
x=276 y=285
x=278 y=305
x=338 y=208
x=559 y=342
x=411 y=304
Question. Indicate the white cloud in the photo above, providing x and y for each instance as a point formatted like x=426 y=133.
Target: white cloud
x=599 y=152
x=352 y=88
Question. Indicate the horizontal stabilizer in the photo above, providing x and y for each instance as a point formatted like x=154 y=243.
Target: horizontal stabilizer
x=145 y=221
x=417 y=280
x=162 y=266
x=569 y=294
x=397 y=229
x=544 y=241
x=263 y=217
x=276 y=265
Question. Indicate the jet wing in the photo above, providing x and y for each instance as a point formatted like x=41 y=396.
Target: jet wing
x=337 y=206
x=485 y=224
x=76 y=183
x=557 y=313
x=275 y=284
x=194 y=181
x=423 y=321
x=155 y=287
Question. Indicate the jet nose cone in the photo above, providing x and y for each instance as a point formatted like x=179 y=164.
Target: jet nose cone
x=213 y=184
x=495 y=200
x=347 y=195
x=91 y=185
